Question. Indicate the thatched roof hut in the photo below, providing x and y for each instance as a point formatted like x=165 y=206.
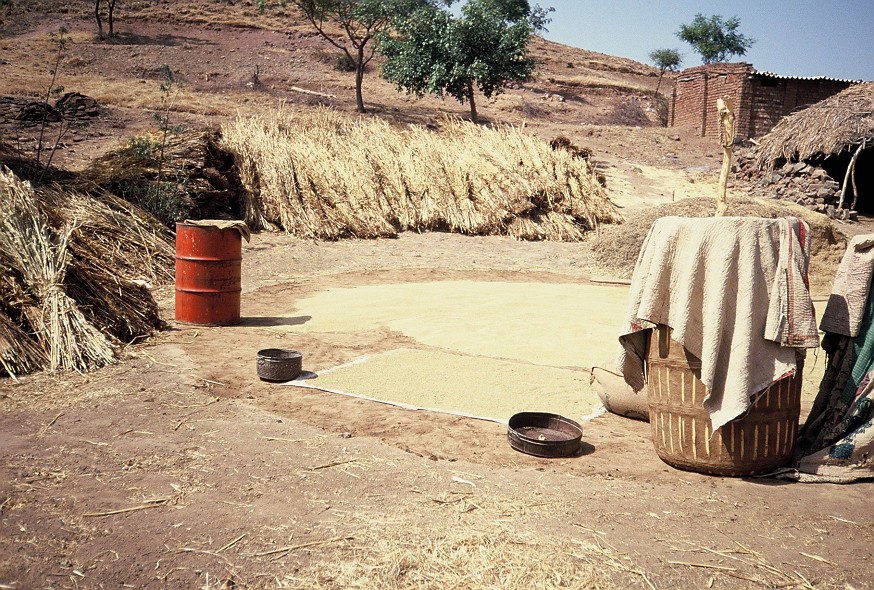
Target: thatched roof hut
x=836 y=133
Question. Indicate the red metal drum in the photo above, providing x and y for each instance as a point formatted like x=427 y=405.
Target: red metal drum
x=208 y=271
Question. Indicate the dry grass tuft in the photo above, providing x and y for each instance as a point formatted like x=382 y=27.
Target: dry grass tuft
x=628 y=111
x=597 y=81
x=320 y=176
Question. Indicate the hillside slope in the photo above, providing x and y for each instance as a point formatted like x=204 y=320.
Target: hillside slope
x=230 y=59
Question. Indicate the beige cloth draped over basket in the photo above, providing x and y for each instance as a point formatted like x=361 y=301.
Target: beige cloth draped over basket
x=728 y=302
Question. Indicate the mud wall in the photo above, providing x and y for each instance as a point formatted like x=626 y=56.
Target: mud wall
x=760 y=100
x=693 y=98
x=773 y=98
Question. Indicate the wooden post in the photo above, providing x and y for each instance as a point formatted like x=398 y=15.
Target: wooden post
x=725 y=109
x=851 y=176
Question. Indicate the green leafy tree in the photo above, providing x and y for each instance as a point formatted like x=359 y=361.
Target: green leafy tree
x=715 y=39
x=436 y=53
x=664 y=60
x=514 y=10
x=351 y=26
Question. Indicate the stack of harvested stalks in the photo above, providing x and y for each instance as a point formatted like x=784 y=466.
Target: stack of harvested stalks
x=319 y=176
x=118 y=252
x=616 y=249
x=38 y=257
x=188 y=179
x=74 y=274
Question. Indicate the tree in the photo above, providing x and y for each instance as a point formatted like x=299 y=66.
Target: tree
x=434 y=52
x=510 y=9
x=665 y=59
x=110 y=18
x=351 y=25
x=514 y=10
x=715 y=39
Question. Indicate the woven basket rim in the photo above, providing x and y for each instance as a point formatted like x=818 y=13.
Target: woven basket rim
x=278 y=354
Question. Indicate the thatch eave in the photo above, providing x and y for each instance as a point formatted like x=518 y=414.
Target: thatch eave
x=833 y=126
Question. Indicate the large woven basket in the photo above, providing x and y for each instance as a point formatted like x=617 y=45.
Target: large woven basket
x=760 y=441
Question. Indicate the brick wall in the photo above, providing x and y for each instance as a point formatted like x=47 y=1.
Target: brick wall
x=759 y=100
x=774 y=98
x=693 y=99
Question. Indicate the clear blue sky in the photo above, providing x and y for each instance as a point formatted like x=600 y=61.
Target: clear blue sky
x=833 y=38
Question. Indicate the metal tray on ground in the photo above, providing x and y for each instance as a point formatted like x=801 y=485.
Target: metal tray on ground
x=544 y=435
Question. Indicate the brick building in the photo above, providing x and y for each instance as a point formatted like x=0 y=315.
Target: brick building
x=760 y=98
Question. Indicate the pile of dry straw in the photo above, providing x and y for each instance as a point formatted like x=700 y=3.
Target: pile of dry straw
x=615 y=249
x=74 y=275
x=322 y=177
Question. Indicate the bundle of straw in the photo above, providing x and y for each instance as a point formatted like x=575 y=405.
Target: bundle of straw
x=18 y=353
x=117 y=251
x=319 y=176
x=30 y=249
x=180 y=182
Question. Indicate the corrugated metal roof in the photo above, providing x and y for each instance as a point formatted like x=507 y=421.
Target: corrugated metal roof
x=823 y=78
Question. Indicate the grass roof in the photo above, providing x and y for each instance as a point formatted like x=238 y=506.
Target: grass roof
x=831 y=126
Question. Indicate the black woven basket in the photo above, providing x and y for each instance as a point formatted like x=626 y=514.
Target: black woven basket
x=278 y=364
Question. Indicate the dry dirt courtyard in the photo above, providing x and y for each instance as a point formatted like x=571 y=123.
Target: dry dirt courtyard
x=179 y=468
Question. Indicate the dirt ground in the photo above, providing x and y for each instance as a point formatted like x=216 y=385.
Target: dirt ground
x=178 y=468
x=142 y=474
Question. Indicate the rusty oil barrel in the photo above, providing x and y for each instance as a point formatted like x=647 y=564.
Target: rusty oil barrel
x=208 y=261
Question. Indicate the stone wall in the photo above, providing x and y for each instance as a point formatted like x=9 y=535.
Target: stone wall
x=799 y=182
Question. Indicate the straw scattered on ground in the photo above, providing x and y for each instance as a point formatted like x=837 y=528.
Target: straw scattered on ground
x=456 y=559
x=476 y=545
x=320 y=176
